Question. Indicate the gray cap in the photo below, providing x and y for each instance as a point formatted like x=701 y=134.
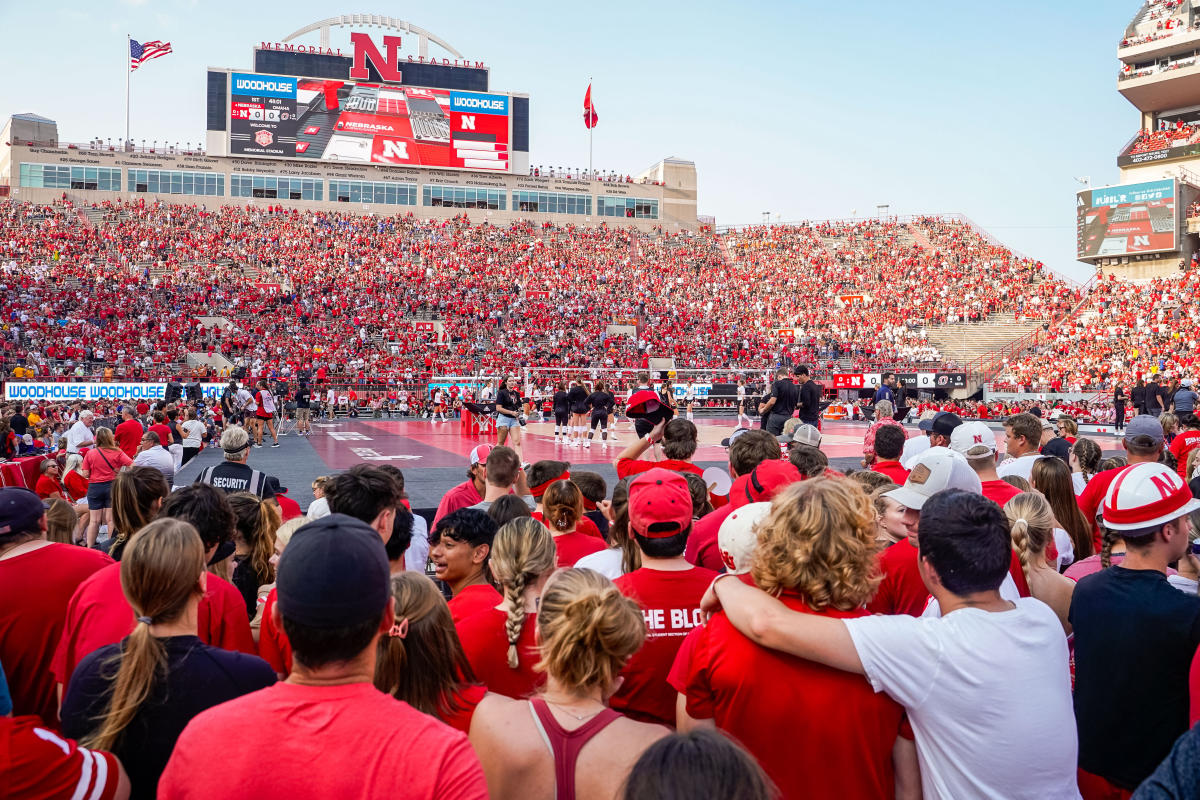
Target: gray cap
x=1144 y=425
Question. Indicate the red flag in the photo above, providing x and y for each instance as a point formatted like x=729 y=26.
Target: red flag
x=590 y=117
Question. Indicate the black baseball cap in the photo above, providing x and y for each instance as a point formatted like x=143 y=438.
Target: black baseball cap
x=942 y=423
x=20 y=510
x=333 y=574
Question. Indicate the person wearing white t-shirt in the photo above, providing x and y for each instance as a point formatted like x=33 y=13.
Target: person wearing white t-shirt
x=1023 y=437
x=986 y=686
x=80 y=434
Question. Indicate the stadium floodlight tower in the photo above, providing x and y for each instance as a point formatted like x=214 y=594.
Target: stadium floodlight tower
x=1141 y=227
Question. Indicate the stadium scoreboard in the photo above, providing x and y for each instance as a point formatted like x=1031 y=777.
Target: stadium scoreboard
x=371 y=107
x=1130 y=219
x=279 y=116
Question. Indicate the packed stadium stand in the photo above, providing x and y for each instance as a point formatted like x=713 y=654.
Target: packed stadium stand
x=150 y=290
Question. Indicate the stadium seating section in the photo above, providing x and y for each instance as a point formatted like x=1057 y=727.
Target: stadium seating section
x=119 y=288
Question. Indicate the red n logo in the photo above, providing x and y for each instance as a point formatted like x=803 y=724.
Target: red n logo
x=1165 y=483
x=364 y=48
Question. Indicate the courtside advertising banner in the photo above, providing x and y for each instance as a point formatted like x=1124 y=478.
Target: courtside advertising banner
x=1129 y=219
x=91 y=392
x=368 y=123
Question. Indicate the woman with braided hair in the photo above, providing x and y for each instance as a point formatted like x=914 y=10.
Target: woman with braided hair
x=1085 y=460
x=421 y=661
x=565 y=742
x=1032 y=520
x=499 y=643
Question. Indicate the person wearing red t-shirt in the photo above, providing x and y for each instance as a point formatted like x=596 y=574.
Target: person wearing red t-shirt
x=161 y=428
x=666 y=587
x=679 y=441
x=976 y=442
x=99 y=613
x=1187 y=441
x=329 y=727
x=129 y=433
x=816 y=554
x=500 y=642
x=562 y=508
x=539 y=477
x=889 y=444
x=37 y=579
x=420 y=659
x=38 y=764
x=458 y=549
x=469 y=492
x=747 y=450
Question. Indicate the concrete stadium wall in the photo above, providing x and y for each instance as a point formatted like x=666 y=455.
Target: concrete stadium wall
x=676 y=199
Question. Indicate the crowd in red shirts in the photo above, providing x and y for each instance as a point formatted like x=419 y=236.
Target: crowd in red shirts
x=867 y=638
x=1125 y=331
x=347 y=291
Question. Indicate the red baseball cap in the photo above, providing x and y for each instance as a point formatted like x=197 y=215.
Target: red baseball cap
x=763 y=482
x=660 y=504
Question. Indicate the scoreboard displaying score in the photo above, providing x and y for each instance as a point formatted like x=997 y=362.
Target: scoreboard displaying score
x=343 y=121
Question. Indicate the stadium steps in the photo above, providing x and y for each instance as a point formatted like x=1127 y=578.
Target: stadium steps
x=965 y=342
x=214 y=360
x=919 y=238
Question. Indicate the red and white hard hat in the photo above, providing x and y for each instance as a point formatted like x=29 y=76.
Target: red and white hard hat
x=1146 y=495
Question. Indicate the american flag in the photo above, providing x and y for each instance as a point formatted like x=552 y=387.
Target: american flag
x=139 y=52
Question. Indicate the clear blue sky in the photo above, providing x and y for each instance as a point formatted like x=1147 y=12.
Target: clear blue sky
x=808 y=110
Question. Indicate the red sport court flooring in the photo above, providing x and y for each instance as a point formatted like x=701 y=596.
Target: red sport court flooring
x=434 y=455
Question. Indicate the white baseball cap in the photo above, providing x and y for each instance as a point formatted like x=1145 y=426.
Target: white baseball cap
x=936 y=469
x=737 y=539
x=969 y=438
x=1146 y=496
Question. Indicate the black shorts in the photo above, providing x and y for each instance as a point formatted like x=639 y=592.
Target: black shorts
x=579 y=409
x=562 y=418
x=600 y=418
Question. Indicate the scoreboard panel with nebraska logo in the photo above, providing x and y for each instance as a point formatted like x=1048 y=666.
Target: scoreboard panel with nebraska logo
x=344 y=121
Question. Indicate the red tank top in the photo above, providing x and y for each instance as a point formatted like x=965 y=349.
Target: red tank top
x=565 y=745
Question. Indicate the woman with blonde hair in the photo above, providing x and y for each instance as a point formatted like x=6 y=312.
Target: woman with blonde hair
x=254 y=545
x=566 y=742
x=889 y=515
x=282 y=537
x=499 y=643
x=562 y=508
x=100 y=467
x=817 y=554
x=1033 y=524
x=134 y=698
x=421 y=661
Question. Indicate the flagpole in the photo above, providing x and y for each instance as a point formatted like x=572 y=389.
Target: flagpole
x=128 y=39
x=591 y=130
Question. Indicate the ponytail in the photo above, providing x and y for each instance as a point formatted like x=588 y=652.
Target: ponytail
x=1031 y=523
x=256 y=521
x=522 y=552
x=160 y=574
x=1109 y=539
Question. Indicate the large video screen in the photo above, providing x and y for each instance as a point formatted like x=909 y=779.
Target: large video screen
x=332 y=120
x=1124 y=220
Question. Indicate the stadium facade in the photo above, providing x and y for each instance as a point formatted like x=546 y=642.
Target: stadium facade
x=367 y=128
x=1147 y=225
